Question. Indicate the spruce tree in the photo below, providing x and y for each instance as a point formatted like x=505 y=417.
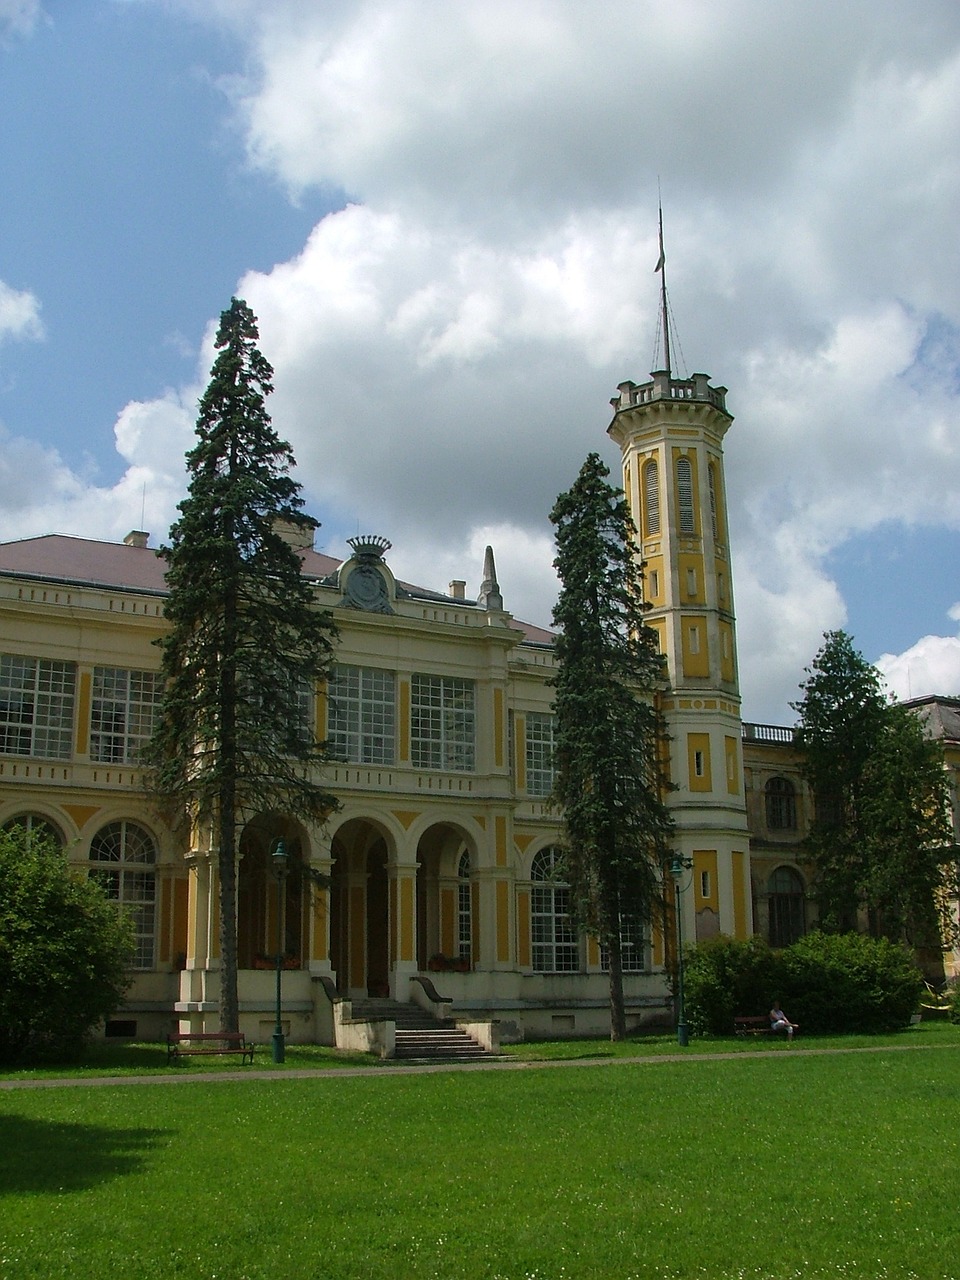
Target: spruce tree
x=609 y=781
x=247 y=645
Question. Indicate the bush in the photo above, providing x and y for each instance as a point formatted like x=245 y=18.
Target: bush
x=953 y=1003
x=724 y=977
x=827 y=983
x=64 y=948
x=849 y=982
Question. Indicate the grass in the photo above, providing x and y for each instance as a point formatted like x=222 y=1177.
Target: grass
x=132 y=1059
x=791 y=1163
x=927 y=1034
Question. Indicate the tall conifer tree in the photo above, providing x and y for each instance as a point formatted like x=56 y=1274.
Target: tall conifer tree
x=609 y=781
x=247 y=644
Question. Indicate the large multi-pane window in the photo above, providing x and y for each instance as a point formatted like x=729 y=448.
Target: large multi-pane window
x=464 y=908
x=442 y=722
x=540 y=747
x=786 y=905
x=34 y=827
x=123 y=856
x=36 y=706
x=632 y=948
x=361 y=716
x=555 y=945
x=123 y=713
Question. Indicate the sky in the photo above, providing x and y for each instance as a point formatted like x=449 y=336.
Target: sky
x=444 y=214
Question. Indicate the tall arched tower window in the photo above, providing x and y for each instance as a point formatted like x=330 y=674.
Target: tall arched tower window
x=714 y=510
x=651 y=497
x=685 y=495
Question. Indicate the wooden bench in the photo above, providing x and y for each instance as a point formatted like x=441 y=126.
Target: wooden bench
x=188 y=1044
x=759 y=1026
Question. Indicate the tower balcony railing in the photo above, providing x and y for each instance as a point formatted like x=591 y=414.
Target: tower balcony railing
x=663 y=387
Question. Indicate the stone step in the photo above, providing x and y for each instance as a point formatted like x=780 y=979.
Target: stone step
x=418 y=1034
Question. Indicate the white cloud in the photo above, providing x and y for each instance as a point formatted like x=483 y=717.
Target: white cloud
x=19 y=314
x=18 y=17
x=523 y=561
x=40 y=494
x=446 y=345
x=931 y=666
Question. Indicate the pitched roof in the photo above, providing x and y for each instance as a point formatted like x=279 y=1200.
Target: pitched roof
x=940 y=716
x=58 y=557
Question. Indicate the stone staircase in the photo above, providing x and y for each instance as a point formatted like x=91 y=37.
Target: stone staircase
x=419 y=1035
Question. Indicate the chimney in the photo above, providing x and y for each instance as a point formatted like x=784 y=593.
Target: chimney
x=298 y=536
x=136 y=538
x=458 y=589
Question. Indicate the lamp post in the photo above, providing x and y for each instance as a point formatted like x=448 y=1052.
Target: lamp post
x=279 y=861
x=678 y=865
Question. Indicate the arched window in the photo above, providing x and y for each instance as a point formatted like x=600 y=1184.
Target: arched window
x=35 y=827
x=555 y=945
x=787 y=924
x=714 y=501
x=651 y=497
x=685 y=495
x=464 y=908
x=781 y=805
x=123 y=856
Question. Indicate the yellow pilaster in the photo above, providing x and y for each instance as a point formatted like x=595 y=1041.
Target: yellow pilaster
x=523 y=928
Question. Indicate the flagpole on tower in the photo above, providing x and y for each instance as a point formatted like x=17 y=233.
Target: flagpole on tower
x=663 y=298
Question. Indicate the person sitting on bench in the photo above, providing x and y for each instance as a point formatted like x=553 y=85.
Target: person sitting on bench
x=780 y=1022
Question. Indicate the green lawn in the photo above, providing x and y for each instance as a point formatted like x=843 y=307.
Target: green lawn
x=125 y=1059
x=790 y=1164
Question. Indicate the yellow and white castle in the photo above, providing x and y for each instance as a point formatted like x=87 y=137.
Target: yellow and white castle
x=441 y=858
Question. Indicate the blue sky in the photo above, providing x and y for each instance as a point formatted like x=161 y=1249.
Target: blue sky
x=448 y=231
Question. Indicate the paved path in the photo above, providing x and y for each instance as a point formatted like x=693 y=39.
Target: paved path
x=183 y=1075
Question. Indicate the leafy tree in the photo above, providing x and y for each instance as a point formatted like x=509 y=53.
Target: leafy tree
x=908 y=848
x=881 y=836
x=842 y=717
x=64 y=951
x=609 y=782
x=246 y=645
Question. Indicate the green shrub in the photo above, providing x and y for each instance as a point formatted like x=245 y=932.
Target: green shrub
x=953 y=1003
x=724 y=977
x=848 y=982
x=64 y=949
x=826 y=982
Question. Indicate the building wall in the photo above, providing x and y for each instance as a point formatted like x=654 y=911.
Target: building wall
x=398 y=905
